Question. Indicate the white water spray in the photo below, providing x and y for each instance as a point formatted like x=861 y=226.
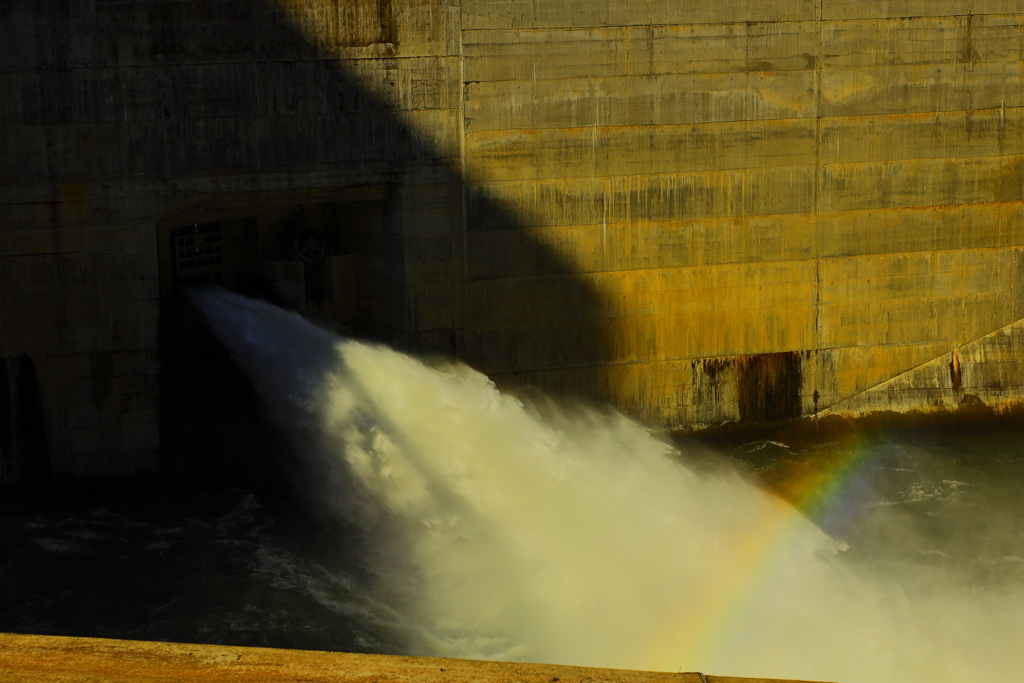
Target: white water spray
x=499 y=532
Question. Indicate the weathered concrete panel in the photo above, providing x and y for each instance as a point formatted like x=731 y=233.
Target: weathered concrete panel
x=571 y=343
x=922 y=182
x=713 y=194
x=885 y=132
x=858 y=9
x=638 y=150
x=656 y=293
x=934 y=274
x=984 y=372
x=921 y=88
x=521 y=14
x=922 y=228
x=643 y=244
x=838 y=373
x=932 y=135
x=967 y=38
x=435 y=306
x=645 y=340
x=103 y=418
x=616 y=101
x=133 y=34
x=525 y=55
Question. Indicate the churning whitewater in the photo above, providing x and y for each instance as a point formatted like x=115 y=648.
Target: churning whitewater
x=493 y=529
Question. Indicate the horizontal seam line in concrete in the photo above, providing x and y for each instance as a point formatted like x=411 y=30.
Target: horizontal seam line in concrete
x=824 y=68
x=765 y=167
x=776 y=118
x=847 y=117
x=252 y=63
x=754 y=264
x=614 y=320
x=922 y=114
x=666 y=174
x=809 y=20
x=915 y=207
x=251 y=117
x=720 y=217
x=945 y=158
x=766 y=58
x=751 y=264
x=685 y=219
x=584 y=130
x=143 y=194
x=701 y=172
x=670 y=221
x=920 y=251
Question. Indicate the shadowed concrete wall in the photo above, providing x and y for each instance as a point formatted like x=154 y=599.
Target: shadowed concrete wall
x=119 y=117
x=118 y=114
x=701 y=212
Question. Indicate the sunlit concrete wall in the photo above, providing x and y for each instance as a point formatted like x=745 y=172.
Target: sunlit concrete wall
x=776 y=205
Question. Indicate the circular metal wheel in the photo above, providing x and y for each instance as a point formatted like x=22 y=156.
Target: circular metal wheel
x=309 y=245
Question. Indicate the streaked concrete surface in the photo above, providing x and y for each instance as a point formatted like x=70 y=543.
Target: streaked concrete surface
x=54 y=659
x=839 y=182
x=639 y=203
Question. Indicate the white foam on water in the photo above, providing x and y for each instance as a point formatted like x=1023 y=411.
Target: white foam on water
x=497 y=530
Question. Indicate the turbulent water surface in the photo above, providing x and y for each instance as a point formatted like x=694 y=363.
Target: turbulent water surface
x=452 y=520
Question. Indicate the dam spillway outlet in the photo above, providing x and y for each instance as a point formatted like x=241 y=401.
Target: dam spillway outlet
x=788 y=221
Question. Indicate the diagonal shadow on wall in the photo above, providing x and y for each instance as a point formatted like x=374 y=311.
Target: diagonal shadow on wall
x=151 y=105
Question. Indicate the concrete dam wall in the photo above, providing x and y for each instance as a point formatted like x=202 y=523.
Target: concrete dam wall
x=702 y=213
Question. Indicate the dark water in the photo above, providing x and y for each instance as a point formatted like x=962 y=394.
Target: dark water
x=230 y=568
x=943 y=500
x=259 y=569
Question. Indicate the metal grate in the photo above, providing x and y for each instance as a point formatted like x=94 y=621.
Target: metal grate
x=198 y=250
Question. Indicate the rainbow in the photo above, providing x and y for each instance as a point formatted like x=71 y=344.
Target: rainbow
x=819 y=490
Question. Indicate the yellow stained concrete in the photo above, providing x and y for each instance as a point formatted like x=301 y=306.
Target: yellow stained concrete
x=615 y=101
x=922 y=182
x=928 y=228
x=637 y=151
x=989 y=371
x=842 y=181
x=643 y=244
x=638 y=50
x=866 y=9
x=966 y=37
x=706 y=194
x=524 y=14
x=930 y=135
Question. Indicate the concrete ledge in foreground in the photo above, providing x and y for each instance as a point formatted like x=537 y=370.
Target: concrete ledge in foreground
x=57 y=659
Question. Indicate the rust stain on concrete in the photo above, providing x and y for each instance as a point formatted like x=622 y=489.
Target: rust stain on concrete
x=769 y=387
x=954 y=372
